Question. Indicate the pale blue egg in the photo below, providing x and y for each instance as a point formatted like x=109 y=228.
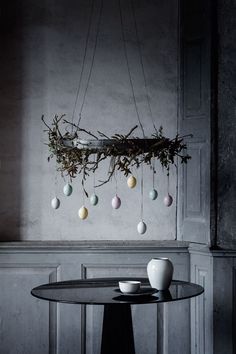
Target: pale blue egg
x=94 y=199
x=67 y=190
x=153 y=194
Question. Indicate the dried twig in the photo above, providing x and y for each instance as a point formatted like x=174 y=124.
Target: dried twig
x=128 y=152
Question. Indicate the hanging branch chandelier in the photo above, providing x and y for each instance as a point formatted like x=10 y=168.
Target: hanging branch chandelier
x=77 y=156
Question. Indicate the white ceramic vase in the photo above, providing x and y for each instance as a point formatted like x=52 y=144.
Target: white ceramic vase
x=160 y=272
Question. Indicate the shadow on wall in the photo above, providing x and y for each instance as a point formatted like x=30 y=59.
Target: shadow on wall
x=11 y=105
x=41 y=52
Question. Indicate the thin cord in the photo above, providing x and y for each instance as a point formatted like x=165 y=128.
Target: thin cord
x=83 y=196
x=94 y=182
x=84 y=57
x=55 y=180
x=168 y=183
x=92 y=62
x=141 y=186
x=141 y=62
x=55 y=184
x=94 y=179
x=128 y=68
x=153 y=173
x=115 y=176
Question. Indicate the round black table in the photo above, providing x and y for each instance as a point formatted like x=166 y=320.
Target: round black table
x=117 y=334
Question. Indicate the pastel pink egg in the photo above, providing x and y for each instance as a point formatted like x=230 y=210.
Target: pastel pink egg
x=116 y=202
x=168 y=200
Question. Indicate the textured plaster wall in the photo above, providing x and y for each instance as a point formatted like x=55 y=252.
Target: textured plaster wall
x=42 y=46
x=227 y=124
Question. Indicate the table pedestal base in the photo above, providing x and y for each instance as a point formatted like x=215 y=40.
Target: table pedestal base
x=117 y=333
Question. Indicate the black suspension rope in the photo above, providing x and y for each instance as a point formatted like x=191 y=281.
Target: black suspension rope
x=141 y=62
x=128 y=68
x=141 y=188
x=92 y=62
x=126 y=58
x=84 y=57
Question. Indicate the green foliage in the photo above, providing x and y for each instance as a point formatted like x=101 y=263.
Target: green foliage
x=125 y=151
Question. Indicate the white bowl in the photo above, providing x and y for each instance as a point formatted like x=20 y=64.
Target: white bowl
x=129 y=286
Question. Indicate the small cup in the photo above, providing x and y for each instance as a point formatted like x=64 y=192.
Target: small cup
x=129 y=286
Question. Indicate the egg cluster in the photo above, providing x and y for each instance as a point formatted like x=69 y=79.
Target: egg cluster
x=115 y=202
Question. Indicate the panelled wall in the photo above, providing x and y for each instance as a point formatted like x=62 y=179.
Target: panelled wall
x=202 y=307
x=195 y=118
x=213 y=315
x=206 y=203
x=29 y=325
x=203 y=325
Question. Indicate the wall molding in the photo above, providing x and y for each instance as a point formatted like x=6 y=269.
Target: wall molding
x=70 y=261
x=74 y=260
x=93 y=246
x=202 y=306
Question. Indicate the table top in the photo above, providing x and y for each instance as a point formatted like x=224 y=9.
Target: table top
x=101 y=291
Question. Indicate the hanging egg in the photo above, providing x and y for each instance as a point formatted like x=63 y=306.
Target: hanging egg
x=67 y=190
x=55 y=203
x=153 y=194
x=94 y=199
x=83 y=212
x=168 y=200
x=141 y=227
x=131 y=182
x=116 y=202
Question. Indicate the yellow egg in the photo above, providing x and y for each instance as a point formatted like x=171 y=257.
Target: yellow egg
x=83 y=213
x=131 y=181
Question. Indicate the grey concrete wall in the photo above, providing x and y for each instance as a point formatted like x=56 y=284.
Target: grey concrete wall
x=41 y=50
x=227 y=124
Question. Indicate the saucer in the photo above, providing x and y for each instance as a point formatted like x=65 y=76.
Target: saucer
x=142 y=292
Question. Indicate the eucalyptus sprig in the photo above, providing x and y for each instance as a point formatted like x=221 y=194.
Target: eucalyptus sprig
x=125 y=150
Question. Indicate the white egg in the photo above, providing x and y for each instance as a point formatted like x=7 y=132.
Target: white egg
x=67 y=189
x=83 y=212
x=116 y=202
x=55 y=203
x=153 y=194
x=141 y=227
x=168 y=200
x=94 y=199
x=131 y=182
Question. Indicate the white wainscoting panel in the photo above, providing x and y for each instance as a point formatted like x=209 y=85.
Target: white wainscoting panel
x=26 y=325
x=29 y=325
x=202 y=306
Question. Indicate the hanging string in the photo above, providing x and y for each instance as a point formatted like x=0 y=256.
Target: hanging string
x=153 y=172
x=142 y=64
x=141 y=187
x=83 y=197
x=84 y=57
x=115 y=176
x=55 y=184
x=128 y=68
x=92 y=62
x=65 y=179
x=94 y=179
x=126 y=58
x=168 y=182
